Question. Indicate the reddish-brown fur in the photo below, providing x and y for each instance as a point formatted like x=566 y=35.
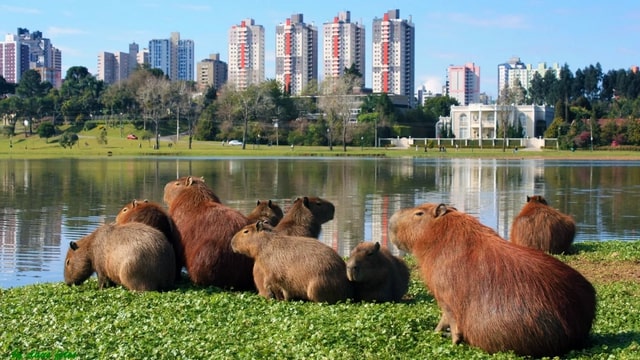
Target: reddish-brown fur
x=306 y=216
x=134 y=255
x=154 y=215
x=493 y=294
x=266 y=210
x=293 y=267
x=542 y=227
x=206 y=227
x=376 y=274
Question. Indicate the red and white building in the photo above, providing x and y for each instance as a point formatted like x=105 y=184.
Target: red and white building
x=343 y=46
x=246 y=54
x=296 y=54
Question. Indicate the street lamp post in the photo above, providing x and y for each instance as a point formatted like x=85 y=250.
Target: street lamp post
x=330 y=144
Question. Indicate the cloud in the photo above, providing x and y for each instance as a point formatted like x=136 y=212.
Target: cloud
x=17 y=9
x=58 y=31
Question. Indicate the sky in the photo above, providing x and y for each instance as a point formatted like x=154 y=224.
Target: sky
x=486 y=33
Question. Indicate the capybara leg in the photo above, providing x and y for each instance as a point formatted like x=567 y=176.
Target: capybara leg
x=103 y=281
x=261 y=285
x=443 y=324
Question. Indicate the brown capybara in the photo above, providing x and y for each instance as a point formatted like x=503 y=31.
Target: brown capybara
x=154 y=215
x=293 y=267
x=494 y=294
x=266 y=210
x=306 y=216
x=542 y=227
x=206 y=227
x=134 y=255
x=376 y=274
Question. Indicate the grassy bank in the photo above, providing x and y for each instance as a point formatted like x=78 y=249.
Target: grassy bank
x=21 y=146
x=57 y=321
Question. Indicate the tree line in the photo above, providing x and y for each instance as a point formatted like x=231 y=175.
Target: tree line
x=333 y=112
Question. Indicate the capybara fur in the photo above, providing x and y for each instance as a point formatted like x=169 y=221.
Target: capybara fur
x=542 y=227
x=306 y=216
x=206 y=227
x=293 y=267
x=154 y=215
x=266 y=210
x=494 y=294
x=134 y=255
x=376 y=274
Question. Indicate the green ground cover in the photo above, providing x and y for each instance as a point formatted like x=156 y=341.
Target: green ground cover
x=57 y=321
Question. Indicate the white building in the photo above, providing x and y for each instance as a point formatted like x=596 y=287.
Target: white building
x=246 y=54
x=479 y=121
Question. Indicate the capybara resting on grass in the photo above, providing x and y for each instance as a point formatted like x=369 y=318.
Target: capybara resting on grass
x=306 y=216
x=493 y=294
x=542 y=227
x=134 y=255
x=266 y=210
x=376 y=274
x=206 y=227
x=154 y=215
x=293 y=267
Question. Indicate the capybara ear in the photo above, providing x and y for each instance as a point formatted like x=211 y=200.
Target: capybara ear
x=145 y=201
x=189 y=181
x=73 y=245
x=440 y=210
x=376 y=247
x=134 y=203
x=270 y=203
x=258 y=202
x=528 y=198
x=305 y=200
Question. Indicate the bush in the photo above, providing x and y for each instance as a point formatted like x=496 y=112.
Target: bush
x=46 y=130
x=68 y=139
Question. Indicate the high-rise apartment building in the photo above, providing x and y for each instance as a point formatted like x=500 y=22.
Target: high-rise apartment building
x=175 y=57
x=343 y=46
x=393 y=55
x=14 y=58
x=211 y=72
x=296 y=54
x=464 y=83
x=117 y=66
x=246 y=54
x=515 y=72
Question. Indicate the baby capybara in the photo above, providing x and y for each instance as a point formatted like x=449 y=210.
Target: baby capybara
x=206 y=227
x=542 y=227
x=293 y=267
x=493 y=294
x=266 y=210
x=376 y=274
x=306 y=216
x=154 y=215
x=134 y=255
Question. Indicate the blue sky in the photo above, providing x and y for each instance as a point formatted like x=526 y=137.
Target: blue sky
x=486 y=33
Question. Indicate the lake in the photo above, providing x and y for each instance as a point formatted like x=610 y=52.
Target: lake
x=48 y=203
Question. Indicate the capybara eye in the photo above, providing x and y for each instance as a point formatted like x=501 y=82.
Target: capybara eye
x=419 y=213
x=124 y=209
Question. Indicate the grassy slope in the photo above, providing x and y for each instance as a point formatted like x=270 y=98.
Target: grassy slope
x=83 y=322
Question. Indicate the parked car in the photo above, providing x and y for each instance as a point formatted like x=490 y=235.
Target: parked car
x=235 y=143
x=132 y=137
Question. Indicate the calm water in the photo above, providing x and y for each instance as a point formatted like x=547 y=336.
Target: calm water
x=47 y=203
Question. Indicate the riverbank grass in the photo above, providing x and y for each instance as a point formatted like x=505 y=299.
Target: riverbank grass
x=58 y=321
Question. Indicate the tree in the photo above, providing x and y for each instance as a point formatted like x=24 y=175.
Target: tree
x=68 y=139
x=46 y=130
x=337 y=102
x=150 y=98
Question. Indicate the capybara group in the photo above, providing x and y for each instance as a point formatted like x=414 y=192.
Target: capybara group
x=134 y=255
x=539 y=226
x=266 y=210
x=293 y=267
x=206 y=227
x=494 y=294
x=376 y=274
x=154 y=215
x=306 y=216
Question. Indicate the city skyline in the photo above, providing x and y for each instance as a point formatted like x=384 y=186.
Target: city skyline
x=487 y=34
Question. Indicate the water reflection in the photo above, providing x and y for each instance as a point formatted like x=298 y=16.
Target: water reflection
x=47 y=203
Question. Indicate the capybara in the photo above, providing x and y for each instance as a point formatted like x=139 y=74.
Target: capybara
x=306 y=216
x=206 y=227
x=293 y=267
x=542 y=227
x=494 y=294
x=154 y=215
x=266 y=210
x=376 y=274
x=134 y=255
